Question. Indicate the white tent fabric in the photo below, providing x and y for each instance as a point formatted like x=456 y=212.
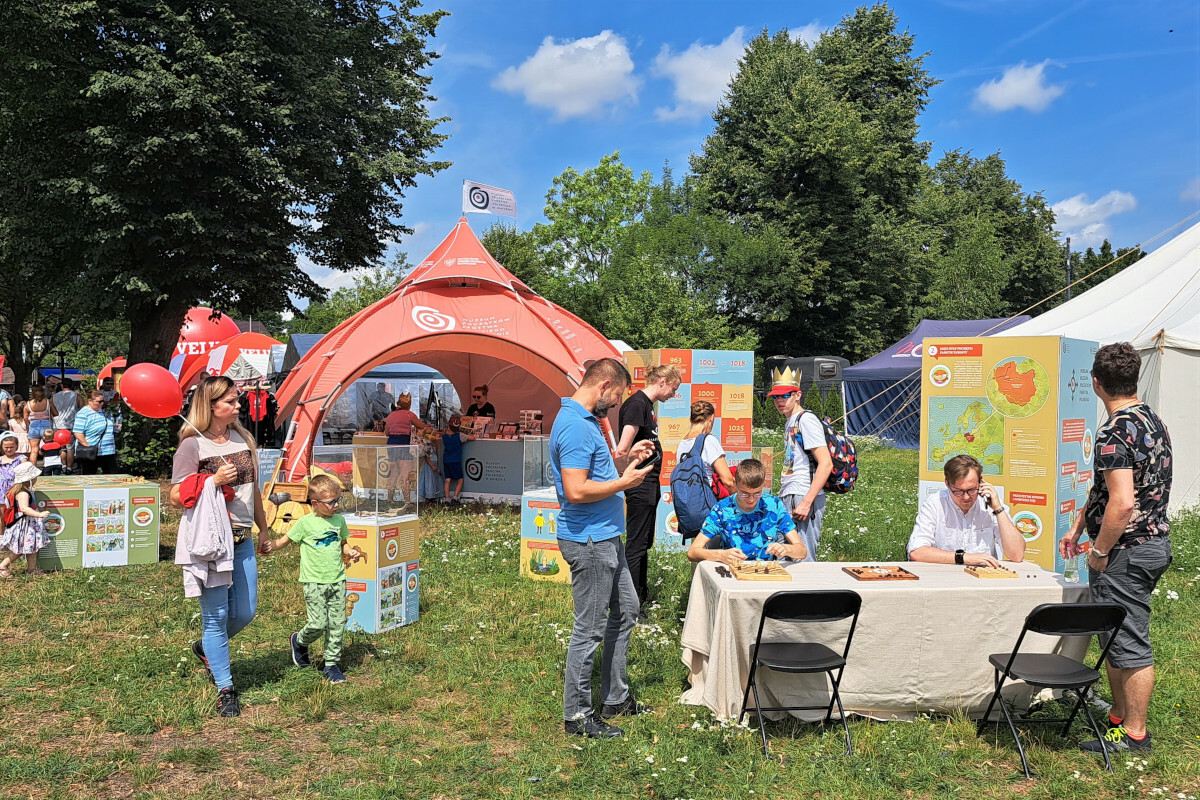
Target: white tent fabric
x=1155 y=304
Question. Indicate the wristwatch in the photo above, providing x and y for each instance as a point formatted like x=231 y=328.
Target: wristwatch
x=998 y=511
x=958 y=556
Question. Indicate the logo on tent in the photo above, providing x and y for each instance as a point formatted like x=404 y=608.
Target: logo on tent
x=432 y=320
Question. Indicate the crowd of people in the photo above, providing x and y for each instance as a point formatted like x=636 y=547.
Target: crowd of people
x=60 y=430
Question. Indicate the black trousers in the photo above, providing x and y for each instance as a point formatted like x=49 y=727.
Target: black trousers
x=639 y=538
x=106 y=463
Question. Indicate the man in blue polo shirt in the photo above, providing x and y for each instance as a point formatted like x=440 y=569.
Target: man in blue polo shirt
x=590 y=491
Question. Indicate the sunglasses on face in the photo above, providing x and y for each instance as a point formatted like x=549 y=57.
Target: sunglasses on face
x=784 y=396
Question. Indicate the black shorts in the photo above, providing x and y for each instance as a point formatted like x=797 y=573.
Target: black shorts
x=453 y=470
x=1128 y=580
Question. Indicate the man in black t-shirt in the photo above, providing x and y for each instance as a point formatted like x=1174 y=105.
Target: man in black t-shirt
x=1126 y=519
x=638 y=423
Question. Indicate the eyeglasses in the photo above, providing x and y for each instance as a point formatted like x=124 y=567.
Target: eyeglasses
x=334 y=503
x=964 y=492
x=750 y=495
x=476 y=397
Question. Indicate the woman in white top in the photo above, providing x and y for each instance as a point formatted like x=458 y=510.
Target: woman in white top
x=712 y=457
x=215 y=444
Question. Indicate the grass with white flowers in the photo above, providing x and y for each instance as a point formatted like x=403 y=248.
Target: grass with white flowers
x=103 y=699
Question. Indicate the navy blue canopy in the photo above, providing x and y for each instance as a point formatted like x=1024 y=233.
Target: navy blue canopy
x=883 y=393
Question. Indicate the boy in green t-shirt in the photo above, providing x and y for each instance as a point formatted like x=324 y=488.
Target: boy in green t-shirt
x=322 y=536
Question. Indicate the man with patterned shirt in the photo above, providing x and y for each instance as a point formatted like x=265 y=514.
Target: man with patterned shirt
x=749 y=525
x=1126 y=519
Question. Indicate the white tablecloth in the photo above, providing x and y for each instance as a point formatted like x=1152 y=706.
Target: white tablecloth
x=920 y=646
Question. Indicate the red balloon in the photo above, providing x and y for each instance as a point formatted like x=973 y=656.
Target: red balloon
x=151 y=391
x=63 y=437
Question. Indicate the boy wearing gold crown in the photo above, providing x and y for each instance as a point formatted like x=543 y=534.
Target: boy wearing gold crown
x=806 y=460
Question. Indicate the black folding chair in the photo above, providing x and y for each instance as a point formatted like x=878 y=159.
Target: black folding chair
x=802 y=657
x=1052 y=671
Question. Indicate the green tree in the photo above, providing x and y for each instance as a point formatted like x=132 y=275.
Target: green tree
x=989 y=247
x=370 y=286
x=821 y=142
x=587 y=215
x=190 y=151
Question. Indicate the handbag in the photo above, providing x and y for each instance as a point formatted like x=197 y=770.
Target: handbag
x=90 y=452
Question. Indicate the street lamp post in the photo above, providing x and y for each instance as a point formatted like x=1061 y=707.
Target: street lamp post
x=58 y=353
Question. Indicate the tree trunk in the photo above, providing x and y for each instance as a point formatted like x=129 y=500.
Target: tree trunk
x=152 y=338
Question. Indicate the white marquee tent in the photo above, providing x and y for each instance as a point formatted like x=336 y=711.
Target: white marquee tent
x=1155 y=304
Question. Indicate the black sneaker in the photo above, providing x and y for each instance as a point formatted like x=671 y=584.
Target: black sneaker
x=333 y=674
x=227 y=703
x=1118 y=740
x=198 y=651
x=592 y=728
x=629 y=708
x=299 y=651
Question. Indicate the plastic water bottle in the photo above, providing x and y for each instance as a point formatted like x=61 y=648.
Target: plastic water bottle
x=1071 y=565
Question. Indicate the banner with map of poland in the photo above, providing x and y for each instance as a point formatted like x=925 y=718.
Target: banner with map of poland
x=1022 y=406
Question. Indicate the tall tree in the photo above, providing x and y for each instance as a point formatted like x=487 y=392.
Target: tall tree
x=192 y=150
x=821 y=142
x=1104 y=262
x=989 y=247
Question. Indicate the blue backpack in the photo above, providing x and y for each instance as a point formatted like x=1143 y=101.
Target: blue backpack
x=691 y=490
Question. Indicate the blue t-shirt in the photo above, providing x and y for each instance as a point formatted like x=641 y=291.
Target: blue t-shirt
x=728 y=526
x=576 y=442
x=451 y=448
x=94 y=425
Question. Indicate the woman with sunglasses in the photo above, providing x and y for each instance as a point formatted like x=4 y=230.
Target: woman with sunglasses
x=213 y=443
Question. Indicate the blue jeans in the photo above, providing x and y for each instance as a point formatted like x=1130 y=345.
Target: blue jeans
x=606 y=607
x=225 y=610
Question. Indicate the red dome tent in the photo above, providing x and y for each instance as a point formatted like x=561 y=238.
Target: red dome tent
x=466 y=316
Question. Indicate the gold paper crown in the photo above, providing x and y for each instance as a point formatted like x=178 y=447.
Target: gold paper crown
x=405 y=396
x=785 y=377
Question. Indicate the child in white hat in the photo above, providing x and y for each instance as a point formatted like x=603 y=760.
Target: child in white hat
x=23 y=533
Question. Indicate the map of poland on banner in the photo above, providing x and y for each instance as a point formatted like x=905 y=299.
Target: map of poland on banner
x=479 y=198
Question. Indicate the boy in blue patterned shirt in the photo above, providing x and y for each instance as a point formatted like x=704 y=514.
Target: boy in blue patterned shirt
x=748 y=525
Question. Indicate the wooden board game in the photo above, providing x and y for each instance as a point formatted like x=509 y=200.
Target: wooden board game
x=760 y=571
x=877 y=572
x=990 y=572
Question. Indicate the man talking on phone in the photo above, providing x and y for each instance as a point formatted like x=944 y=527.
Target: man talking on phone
x=965 y=523
x=590 y=486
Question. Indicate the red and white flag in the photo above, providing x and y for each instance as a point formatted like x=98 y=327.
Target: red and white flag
x=479 y=198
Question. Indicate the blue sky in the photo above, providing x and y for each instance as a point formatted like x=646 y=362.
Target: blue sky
x=1094 y=104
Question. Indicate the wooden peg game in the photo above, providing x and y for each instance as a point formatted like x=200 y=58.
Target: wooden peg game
x=760 y=571
x=990 y=572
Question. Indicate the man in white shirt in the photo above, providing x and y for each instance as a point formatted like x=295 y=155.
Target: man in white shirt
x=965 y=523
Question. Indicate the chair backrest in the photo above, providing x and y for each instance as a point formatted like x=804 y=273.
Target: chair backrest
x=1075 y=619
x=812 y=605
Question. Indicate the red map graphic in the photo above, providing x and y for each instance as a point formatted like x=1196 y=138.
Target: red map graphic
x=1017 y=386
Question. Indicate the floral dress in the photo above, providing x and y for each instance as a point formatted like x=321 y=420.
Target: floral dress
x=6 y=476
x=26 y=535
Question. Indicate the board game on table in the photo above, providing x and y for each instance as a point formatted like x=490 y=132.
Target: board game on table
x=878 y=572
x=760 y=571
x=980 y=571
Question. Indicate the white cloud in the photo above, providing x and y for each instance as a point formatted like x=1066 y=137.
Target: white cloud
x=1191 y=192
x=808 y=34
x=700 y=75
x=575 y=78
x=1087 y=222
x=1022 y=86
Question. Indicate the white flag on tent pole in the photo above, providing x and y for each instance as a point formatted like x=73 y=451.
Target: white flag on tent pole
x=479 y=198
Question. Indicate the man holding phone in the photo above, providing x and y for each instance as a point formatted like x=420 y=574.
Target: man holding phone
x=590 y=490
x=965 y=523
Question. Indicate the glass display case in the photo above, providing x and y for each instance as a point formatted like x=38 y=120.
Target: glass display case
x=537 y=472
x=377 y=482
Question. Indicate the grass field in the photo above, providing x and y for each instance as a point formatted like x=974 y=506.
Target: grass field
x=102 y=697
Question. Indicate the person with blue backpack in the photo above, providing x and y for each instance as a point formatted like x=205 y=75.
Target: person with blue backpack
x=699 y=458
x=807 y=463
